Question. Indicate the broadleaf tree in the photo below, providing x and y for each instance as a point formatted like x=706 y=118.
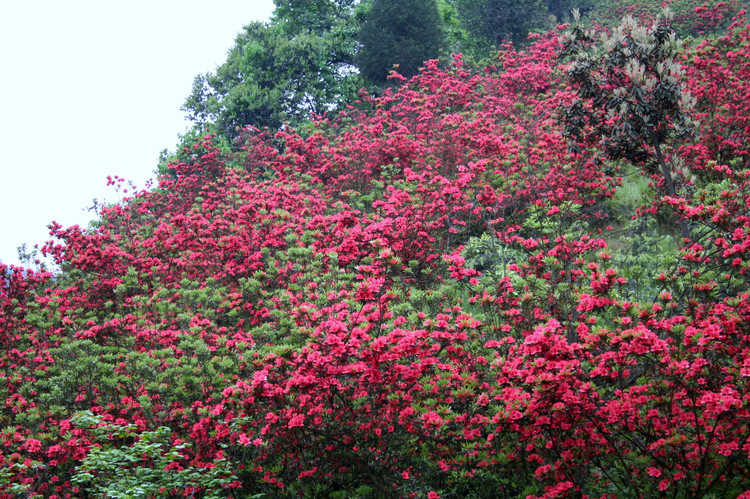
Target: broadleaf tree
x=631 y=98
x=283 y=72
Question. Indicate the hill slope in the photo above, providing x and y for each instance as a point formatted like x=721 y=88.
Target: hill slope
x=429 y=297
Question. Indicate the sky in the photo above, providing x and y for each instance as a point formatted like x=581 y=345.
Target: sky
x=91 y=88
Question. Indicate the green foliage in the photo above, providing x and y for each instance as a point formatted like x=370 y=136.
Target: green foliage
x=456 y=35
x=318 y=16
x=636 y=189
x=633 y=83
x=399 y=32
x=493 y=22
x=129 y=464
x=632 y=249
x=491 y=257
x=631 y=95
x=300 y=64
x=563 y=9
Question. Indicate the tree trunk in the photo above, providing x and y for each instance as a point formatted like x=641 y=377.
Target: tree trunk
x=668 y=178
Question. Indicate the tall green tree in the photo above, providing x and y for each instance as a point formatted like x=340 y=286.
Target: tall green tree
x=317 y=16
x=457 y=38
x=301 y=63
x=241 y=92
x=492 y=22
x=399 y=32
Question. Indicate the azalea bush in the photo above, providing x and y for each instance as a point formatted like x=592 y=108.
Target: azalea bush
x=693 y=18
x=433 y=295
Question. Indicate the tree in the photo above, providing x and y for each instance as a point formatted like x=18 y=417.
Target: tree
x=492 y=22
x=562 y=9
x=300 y=64
x=239 y=94
x=314 y=15
x=630 y=95
x=457 y=38
x=399 y=32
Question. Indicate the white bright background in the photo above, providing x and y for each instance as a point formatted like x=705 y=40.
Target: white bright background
x=90 y=88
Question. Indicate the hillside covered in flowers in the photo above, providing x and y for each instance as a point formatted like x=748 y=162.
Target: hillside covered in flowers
x=455 y=288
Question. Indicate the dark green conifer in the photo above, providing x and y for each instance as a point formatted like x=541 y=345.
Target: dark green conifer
x=402 y=32
x=492 y=22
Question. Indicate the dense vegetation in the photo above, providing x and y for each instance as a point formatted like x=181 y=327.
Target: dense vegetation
x=408 y=32
x=524 y=280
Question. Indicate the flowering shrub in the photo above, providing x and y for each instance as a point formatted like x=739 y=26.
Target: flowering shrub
x=692 y=18
x=417 y=300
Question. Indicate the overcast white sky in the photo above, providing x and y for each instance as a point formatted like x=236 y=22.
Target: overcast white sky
x=91 y=88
